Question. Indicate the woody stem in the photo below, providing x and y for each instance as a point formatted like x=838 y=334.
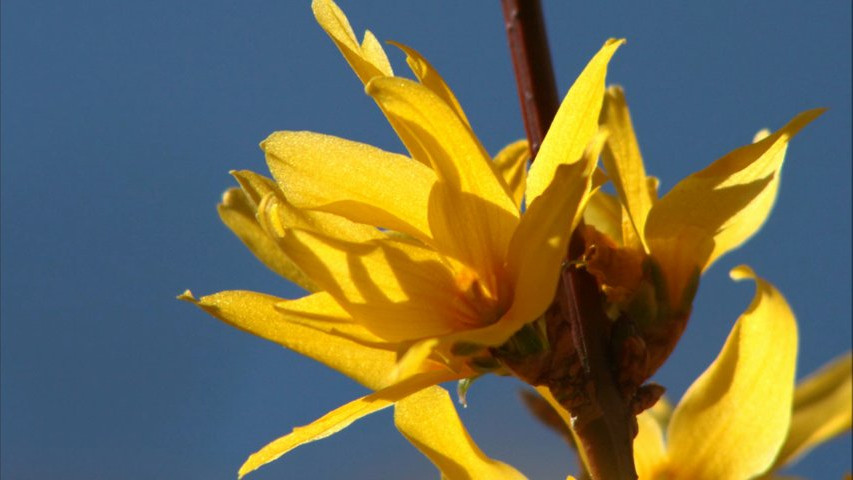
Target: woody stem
x=603 y=419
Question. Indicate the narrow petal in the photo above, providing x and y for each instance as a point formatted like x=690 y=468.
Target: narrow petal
x=511 y=164
x=256 y=313
x=621 y=157
x=429 y=77
x=238 y=213
x=367 y=61
x=567 y=419
x=649 y=449
x=733 y=420
x=575 y=124
x=429 y=420
x=276 y=215
x=340 y=418
x=354 y=180
x=399 y=291
x=724 y=204
x=821 y=409
x=539 y=246
x=470 y=198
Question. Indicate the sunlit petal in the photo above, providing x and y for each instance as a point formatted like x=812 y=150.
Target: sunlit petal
x=398 y=290
x=340 y=418
x=429 y=77
x=575 y=124
x=256 y=313
x=822 y=409
x=733 y=420
x=471 y=213
x=724 y=204
x=621 y=157
x=429 y=420
x=354 y=180
x=367 y=60
x=649 y=449
x=511 y=164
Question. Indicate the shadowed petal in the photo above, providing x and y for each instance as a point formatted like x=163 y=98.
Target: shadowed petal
x=511 y=164
x=733 y=420
x=429 y=420
x=238 y=213
x=621 y=157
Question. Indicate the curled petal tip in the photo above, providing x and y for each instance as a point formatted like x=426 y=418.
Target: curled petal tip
x=742 y=272
x=187 y=296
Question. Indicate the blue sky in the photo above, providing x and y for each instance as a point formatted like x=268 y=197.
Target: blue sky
x=120 y=121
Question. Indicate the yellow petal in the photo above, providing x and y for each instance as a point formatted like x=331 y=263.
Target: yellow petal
x=471 y=215
x=367 y=60
x=399 y=291
x=604 y=212
x=541 y=240
x=539 y=246
x=429 y=420
x=429 y=77
x=733 y=420
x=821 y=409
x=254 y=185
x=276 y=215
x=256 y=313
x=567 y=419
x=649 y=449
x=621 y=157
x=238 y=213
x=340 y=418
x=354 y=180
x=727 y=202
x=511 y=164
x=575 y=124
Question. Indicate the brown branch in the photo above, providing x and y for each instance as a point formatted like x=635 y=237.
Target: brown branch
x=602 y=417
x=531 y=59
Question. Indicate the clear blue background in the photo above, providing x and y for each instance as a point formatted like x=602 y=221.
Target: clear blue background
x=120 y=121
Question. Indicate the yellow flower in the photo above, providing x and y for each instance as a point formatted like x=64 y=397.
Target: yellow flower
x=735 y=421
x=647 y=252
x=416 y=263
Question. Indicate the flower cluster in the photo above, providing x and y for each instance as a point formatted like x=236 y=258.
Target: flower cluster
x=442 y=265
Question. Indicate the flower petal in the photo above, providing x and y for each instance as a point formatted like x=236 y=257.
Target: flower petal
x=398 y=290
x=821 y=409
x=238 y=213
x=621 y=157
x=724 y=204
x=575 y=124
x=367 y=60
x=429 y=77
x=604 y=212
x=511 y=164
x=340 y=418
x=733 y=420
x=354 y=180
x=539 y=246
x=649 y=449
x=256 y=313
x=472 y=215
x=429 y=420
